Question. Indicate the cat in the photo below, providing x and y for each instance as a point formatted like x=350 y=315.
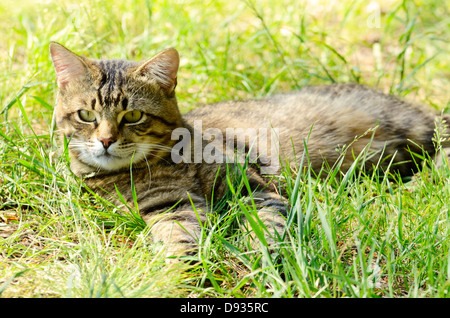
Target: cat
x=120 y=118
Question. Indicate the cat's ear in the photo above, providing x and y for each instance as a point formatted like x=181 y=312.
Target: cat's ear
x=163 y=68
x=68 y=65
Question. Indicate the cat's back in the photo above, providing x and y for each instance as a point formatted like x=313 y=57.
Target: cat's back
x=329 y=117
x=338 y=105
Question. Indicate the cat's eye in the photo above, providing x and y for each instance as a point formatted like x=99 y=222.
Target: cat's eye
x=86 y=115
x=132 y=117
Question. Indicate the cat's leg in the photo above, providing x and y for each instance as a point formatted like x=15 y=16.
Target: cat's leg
x=271 y=212
x=178 y=230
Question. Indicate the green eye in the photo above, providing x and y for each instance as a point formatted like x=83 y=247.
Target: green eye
x=133 y=116
x=86 y=116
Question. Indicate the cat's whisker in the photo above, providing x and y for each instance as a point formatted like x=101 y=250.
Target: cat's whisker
x=154 y=146
x=149 y=172
x=81 y=144
x=151 y=153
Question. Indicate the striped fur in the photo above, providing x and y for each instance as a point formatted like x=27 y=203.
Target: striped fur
x=102 y=149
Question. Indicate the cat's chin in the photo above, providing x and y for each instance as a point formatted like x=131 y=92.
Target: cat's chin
x=111 y=163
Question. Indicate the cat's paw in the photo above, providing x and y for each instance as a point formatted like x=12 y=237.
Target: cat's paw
x=273 y=226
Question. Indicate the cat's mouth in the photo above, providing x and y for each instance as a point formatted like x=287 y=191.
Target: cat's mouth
x=111 y=162
x=107 y=155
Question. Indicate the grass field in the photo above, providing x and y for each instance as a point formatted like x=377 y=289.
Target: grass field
x=366 y=236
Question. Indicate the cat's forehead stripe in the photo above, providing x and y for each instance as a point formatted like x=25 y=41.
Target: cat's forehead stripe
x=112 y=72
x=124 y=103
x=99 y=90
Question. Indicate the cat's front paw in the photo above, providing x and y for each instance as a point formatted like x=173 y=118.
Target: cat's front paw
x=179 y=232
x=269 y=232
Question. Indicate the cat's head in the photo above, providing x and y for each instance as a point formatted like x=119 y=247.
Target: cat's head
x=113 y=112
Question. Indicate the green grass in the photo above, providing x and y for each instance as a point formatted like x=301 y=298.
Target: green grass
x=361 y=236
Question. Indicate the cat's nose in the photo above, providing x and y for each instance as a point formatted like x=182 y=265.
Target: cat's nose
x=106 y=142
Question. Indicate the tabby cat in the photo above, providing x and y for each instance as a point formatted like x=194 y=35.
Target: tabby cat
x=120 y=116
